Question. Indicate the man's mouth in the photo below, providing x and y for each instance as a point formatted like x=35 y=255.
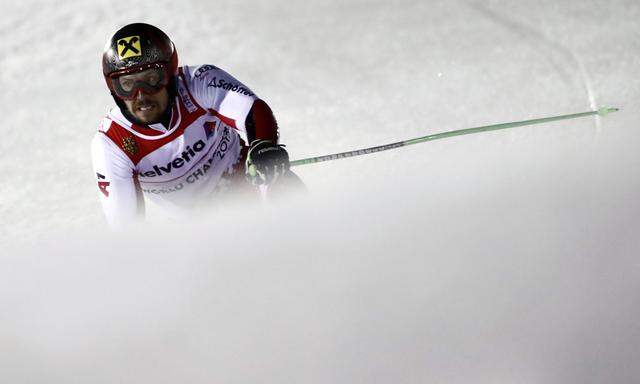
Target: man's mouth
x=145 y=107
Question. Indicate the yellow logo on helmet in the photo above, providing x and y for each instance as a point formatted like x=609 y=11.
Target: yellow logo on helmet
x=129 y=47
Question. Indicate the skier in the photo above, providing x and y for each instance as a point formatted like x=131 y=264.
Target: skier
x=175 y=136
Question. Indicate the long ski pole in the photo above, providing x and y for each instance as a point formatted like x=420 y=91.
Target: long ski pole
x=443 y=135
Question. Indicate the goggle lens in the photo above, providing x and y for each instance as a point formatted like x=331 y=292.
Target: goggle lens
x=149 y=81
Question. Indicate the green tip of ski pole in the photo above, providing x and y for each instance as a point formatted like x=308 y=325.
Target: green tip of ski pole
x=252 y=170
x=606 y=110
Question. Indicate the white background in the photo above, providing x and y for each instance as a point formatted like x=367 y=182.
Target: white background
x=508 y=257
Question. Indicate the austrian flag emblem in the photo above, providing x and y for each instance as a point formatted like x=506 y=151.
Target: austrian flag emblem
x=130 y=146
x=102 y=185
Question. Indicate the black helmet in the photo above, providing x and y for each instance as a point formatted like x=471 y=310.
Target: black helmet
x=136 y=47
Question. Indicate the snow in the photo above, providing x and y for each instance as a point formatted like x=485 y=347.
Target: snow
x=508 y=256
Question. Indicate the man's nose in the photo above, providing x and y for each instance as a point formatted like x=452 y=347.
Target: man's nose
x=140 y=96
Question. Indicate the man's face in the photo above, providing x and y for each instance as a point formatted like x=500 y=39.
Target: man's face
x=148 y=108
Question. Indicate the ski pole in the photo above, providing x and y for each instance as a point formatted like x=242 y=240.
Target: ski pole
x=443 y=135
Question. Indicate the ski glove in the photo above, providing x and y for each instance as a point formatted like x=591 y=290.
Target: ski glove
x=266 y=161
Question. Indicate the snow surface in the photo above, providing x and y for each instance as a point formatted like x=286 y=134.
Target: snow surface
x=504 y=257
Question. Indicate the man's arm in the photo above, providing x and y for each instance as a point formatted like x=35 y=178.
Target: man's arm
x=118 y=189
x=261 y=124
x=266 y=160
x=214 y=88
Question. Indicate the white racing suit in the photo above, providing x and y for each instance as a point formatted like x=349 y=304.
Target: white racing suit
x=175 y=167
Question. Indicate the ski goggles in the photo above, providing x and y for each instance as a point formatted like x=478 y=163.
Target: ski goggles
x=150 y=81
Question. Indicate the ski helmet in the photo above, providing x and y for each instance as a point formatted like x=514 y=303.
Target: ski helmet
x=137 y=47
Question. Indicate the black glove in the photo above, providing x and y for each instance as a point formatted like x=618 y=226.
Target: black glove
x=266 y=161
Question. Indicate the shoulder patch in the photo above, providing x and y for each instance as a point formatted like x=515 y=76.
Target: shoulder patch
x=203 y=69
